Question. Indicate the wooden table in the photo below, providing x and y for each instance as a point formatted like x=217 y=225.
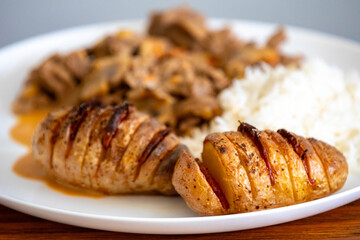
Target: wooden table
x=343 y=222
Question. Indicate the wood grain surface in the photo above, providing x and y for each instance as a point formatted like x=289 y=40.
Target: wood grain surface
x=341 y=223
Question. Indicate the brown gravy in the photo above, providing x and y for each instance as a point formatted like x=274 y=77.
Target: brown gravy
x=27 y=167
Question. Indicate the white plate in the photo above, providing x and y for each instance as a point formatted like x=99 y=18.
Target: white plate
x=145 y=214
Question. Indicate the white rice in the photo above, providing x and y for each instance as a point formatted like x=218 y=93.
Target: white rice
x=316 y=100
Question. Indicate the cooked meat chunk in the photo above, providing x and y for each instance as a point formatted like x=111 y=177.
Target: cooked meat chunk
x=184 y=74
x=182 y=26
x=205 y=107
x=105 y=74
x=195 y=111
x=140 y=74
x=222 y=45
x=250 y=170
x=54 y=77
x=107 y=148
x=291 y=60
x=123 y=43
x=187 y=29
x=30 y=97
x=78 y=63
x=276 y=39
x=157 y=103
x=53 y=83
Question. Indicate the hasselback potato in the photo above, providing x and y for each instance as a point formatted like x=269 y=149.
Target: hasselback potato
x=113 y=149
x=250 y=170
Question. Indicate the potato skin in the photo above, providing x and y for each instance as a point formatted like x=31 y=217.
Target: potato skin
x=192 y=185
x=303 y=170
x=301 y=188
x=229 y=171
x=163 y=156
x=317 y=178
x=262 y=196
x=334 y=163
x=42 y=141
x=104 y=148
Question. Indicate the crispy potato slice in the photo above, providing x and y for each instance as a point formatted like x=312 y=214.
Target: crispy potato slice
x=94 y=153
x=75 y=160
x=163 y=174
x=64 y=145
x=140 y=140
x=149 y=169
x=263 y=195
x=222 y=161
x=61 y=146
x=301 y=186
x=313 y=165
x=107 y=177
x=282 y=186
x=45 y=136
x=192 y=185
x=334 y=163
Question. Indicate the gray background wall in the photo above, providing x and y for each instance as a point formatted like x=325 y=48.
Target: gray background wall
x=20 y=19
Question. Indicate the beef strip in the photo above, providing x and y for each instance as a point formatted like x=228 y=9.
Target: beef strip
x=195 y=111
x=277 y=38
x=182 y=26
x=51 y=83
x=123 y=43
x=78 y=63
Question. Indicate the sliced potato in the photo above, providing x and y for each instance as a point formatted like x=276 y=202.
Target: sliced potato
x=95 y=154
x=301 y=188
x=282 y=186
x=108 y=179
x=112 y=149
x=129 y=164
x=263 y=195
x=192 y=185
x=45 y=136
x=334 y=163
x=254 y=170
x=313 y=165
x=221 y=159
x=149 y=176
x=74 y=161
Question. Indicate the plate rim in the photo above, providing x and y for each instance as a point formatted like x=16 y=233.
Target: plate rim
x=175 y=219
x=319 y=33
x=171 y=226
x=353 y=193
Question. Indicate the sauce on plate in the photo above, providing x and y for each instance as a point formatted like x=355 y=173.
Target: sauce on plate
x=28 y=168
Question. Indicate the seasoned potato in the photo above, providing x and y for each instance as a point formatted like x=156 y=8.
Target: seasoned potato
x=113 y=149
x=194 y=186
x=250 y=170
